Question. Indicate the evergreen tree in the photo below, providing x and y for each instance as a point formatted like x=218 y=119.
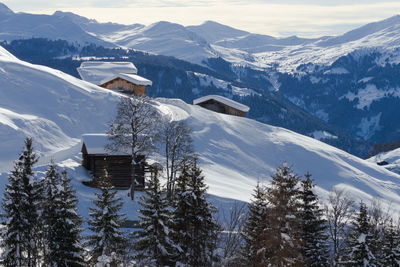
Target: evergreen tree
x=50 y=215
x=360 y=241
x=378 y=224
x=20 y=234
x=60 y=222
x=314 y=237
x=153 y=244
x=70 y=250
x=195 y=231
x=284 y=232
x=254 y=250
x=105 y=221
x=391 y=246
x=13 y=242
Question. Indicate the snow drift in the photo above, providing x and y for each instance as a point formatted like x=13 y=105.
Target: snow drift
x=51 y=106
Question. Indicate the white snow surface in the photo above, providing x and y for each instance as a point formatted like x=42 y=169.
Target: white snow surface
x=224 y=100
x=322 y=135
x=49 y=105
x=369 y=126
x=370 y=94
x=96 y=144
x=98 y=71
x=133 y=78
x=207 y=80
x=391 y=157
x=234 y=152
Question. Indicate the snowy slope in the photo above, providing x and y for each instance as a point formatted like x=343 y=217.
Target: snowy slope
x=53 y=107
x=163 y=38
x=235 y=152
x=391 y=157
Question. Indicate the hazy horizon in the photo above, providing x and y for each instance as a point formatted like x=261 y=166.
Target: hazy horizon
x=277 y=18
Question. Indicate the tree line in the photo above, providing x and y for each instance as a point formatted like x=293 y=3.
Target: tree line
x=288 y=226
x=284 y=225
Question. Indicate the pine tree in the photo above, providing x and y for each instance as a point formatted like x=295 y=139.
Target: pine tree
x=20 y=238
x=391 y=246
x=195 y=231
x=254 y=251
x=13 y=235
x=153 y=244
x=284 y=233
x=50 y=214
x=70 y=250
x=60 y=222
x=314 y=237
x=360 y=241
x=105 y=221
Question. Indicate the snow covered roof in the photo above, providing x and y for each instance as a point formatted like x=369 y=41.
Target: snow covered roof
x=223 y=100
x=133 y=78
x=96 y=144
x=97 y=71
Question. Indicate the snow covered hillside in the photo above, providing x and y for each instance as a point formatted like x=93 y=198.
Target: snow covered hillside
x=51 y=106
x=390 y=160
x=55 y=109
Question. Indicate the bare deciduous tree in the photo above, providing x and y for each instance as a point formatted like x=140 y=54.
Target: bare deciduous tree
x=379 y=216
x=177 y=147
x=232 y=233
x=134 y=129
x=338 y=215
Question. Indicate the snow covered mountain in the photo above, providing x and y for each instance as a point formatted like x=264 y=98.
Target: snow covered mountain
x=209 y=40
x=23 y=25
x=55 y=109
x=348 y=81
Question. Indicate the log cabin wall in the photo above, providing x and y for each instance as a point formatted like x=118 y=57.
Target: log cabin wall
x=118 y=168
x=126 y=86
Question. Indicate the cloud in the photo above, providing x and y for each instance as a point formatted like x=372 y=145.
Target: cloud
x=277 y=17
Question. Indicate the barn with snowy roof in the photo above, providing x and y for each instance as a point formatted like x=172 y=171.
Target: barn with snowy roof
x=222 y=104
x=117 y=165
x=121 y=76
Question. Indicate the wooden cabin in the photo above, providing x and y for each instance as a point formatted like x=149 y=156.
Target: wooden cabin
x=222 y=104
x=119 y=76
x=116 y=165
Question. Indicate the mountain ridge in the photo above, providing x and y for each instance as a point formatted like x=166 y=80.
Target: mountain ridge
x=197 y=43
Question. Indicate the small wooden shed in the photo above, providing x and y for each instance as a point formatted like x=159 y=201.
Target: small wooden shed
x=222 y=105
x=116 y=165
x=120 y=76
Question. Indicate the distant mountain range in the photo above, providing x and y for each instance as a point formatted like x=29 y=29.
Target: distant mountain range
x=198 y=43
x=348 y=84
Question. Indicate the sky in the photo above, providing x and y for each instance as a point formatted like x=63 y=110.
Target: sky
x=279 y=18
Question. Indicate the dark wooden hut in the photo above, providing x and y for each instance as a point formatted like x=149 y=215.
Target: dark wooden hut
x=116 y=165
x=222 y=104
